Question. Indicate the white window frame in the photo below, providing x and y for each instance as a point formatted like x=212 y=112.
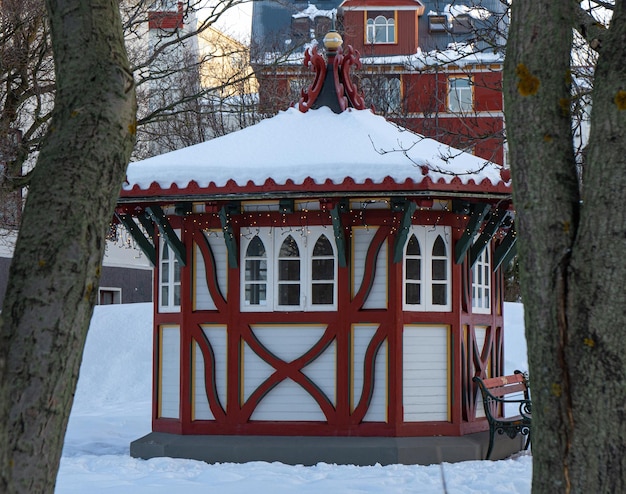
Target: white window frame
x=380 y=24
x=385 y=93
x=481 y=283
x=438 y=23
x=426 y=235
x=314 y=236
x=115 y=291
x=276 y=262
x=460 y=96
x=173 y=266
x=268 y=282
x=272 y=239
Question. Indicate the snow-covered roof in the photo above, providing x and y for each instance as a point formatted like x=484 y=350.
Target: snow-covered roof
x=318 y=151
x=311 y=12
x=458 y=54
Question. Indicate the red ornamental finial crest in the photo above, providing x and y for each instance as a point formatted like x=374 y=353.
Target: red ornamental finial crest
x=336 y=92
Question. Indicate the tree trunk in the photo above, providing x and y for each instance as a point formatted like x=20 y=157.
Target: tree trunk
x=53 y=280
x=572 y=269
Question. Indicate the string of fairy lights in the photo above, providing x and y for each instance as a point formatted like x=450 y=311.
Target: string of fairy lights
x=249 y=218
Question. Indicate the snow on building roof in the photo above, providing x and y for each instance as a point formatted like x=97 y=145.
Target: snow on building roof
x=351 y=152
x=391 y=4
x=311 y=12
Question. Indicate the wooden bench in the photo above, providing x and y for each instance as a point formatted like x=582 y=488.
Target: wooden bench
x=496 y=392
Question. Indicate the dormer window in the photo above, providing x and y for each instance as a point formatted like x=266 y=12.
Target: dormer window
x=380 y=28
x=437 y=23
x=301 y=28
x=462 y=24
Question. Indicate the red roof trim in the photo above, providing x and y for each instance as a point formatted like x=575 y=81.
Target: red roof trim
x=310 y=186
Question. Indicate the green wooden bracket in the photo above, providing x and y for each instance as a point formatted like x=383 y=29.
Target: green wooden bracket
x=183 y=208
x=477 y=214
x=506 y=250
x=340 y=238
x=168 y=233
x=148 y=225
x=144 y=244
x=494 y=222
x=229 y=236
x=407 y=208
x=286 y=206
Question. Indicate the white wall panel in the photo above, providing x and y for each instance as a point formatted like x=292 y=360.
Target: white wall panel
x=377 y=411
x=201 y=409
x=217 y=337
x=481 y=334
x=255 y=371
x=361 y=336
x=288 y=401
x=220 y=254
x=169 y=372
x=323 y=372
x=202 y=297
x=425 y=372
x=288 y=341
x=361 y=240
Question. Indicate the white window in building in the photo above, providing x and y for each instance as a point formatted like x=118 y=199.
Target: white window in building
x=323 y=272
x=481 y=283
x=460 y=98
x=439 y=273
x=462 y=24
x=413 y=272
x=427 y=269
x=169 y=280
x=255 y=273
x=293 y=272
x=109 y=295
x=437 y=23
x=381 y=29
x=384 y=93
x=289 y=273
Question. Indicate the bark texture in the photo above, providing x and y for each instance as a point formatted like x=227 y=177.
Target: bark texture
x=572 y=246
x=53 y=279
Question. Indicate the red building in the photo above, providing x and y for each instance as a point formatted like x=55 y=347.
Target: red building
x=328 y=286
x=427 y=65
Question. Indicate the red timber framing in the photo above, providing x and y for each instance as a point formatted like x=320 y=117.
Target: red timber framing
x=330 y=306
x=474 y=340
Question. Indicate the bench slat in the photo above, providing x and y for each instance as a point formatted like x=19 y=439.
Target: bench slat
x=495 y=382
x=495 y=391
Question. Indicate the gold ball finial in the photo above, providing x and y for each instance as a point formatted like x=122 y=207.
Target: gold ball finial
x=332 y=41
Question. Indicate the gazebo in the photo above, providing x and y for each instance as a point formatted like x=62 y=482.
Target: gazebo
x=327 y=284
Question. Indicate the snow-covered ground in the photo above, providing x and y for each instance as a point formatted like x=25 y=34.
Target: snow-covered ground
x=112 y=408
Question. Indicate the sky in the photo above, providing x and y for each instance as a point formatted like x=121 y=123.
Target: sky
x=236 y=21
x=112 y=408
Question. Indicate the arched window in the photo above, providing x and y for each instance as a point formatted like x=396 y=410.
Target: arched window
x=439 y=272
x=289 y=273
x=255 y=267
x=481 y=283
x=323 y=276
x=169 y=280
x=413 y=272
x=381 y=29
x=427 y=269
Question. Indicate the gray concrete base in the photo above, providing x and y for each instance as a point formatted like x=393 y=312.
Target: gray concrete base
x=304 y=450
